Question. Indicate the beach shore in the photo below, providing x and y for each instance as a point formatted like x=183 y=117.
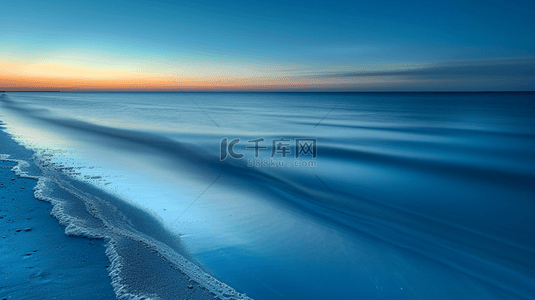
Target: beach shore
x=39 y=261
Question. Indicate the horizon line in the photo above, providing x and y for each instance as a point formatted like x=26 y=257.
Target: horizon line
x=241 y=91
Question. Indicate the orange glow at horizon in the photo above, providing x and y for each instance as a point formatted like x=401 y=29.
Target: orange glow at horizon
x=43 y=77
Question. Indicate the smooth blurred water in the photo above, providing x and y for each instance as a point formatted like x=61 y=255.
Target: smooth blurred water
x=414 y=196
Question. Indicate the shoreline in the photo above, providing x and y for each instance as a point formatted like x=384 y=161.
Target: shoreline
x=53 y=259
x=39 y=261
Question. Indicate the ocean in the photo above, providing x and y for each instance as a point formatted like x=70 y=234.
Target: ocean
x=293 y=195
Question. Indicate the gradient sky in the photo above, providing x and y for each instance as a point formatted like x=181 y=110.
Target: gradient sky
x=275 y=45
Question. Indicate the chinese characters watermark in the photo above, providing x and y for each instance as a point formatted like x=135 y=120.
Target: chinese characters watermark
x=280 y=148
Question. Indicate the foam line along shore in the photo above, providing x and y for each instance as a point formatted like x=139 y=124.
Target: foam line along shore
x=38 y=260
x=65 y=248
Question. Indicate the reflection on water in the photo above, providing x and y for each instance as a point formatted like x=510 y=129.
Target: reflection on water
x=414 y=196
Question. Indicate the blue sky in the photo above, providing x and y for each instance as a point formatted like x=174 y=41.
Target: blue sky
x=275 y=44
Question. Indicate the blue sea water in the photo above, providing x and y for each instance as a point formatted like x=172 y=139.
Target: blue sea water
x=409 y=195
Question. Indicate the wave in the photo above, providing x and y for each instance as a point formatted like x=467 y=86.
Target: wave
x=139 y=240
x=136 y=239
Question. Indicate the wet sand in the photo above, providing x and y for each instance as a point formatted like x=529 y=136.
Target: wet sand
x=38 y=260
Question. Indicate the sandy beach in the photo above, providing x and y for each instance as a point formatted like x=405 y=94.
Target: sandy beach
x=38 y=260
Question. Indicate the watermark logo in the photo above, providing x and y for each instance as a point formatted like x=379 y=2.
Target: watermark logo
x=280 y=149
x=229 y=148
x=306 y=146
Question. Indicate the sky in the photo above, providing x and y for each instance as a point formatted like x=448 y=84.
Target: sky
x=81 y=45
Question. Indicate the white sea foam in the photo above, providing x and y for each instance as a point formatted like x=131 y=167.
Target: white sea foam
x=112 y=225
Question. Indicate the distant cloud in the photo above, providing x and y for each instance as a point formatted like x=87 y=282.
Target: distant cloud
x=499 y=74
x=524 y=67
